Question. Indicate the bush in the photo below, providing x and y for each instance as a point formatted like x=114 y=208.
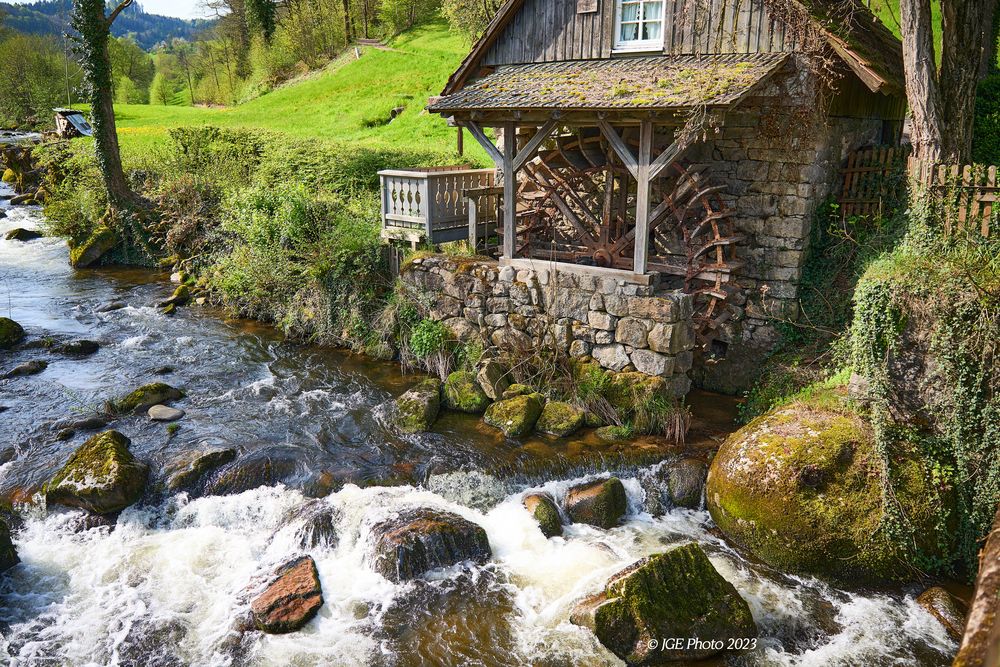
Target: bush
x=986 y=123
x=428 y=338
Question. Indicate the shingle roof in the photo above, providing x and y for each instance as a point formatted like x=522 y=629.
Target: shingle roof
x=660 y=82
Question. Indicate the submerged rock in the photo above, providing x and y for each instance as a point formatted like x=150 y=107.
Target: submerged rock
x=614 y=433
x=88 y=252
x=187 y=472
x=422 y=539
x=515 y=416
x=462 y=392
x=11 y=333
x=101 y=476
x=33 y=367
x=800 y=488
x=560 y=419
x=291 y=600
x=947 y=609
x=315 y=525
x=263 y=467
x=601 y=503
x=544 y=510
x=673 y=594
x=419 y=407
x=674 y=484
x=21 y=234
x=146 y=397
x=164 y=413
x=78 y=348
x=110 y=306
x=8 y=554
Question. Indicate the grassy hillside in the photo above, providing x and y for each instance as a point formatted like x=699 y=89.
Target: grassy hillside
x=349 y=101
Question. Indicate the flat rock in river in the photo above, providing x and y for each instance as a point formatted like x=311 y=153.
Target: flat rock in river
x=33 y=367
x=21 y=234
x=422 y=539
x=291 y=600
x=164 y=413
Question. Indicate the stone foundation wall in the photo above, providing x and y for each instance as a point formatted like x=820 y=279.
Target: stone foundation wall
x=622 y=326
x=780 y=159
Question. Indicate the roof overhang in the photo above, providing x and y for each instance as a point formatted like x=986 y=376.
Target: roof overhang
x=660 y=84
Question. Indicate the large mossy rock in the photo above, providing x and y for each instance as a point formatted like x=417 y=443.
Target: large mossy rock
x=560 y=419
x=146 y=397
x=8 y=554
x=674 y=594
x=419 y=407
x=463 y=393
x=422 y=539
x=627 y=389
x=101 y=476
x=601 y=503
x=515 y=416
x=11 y=333
x=801 y=488
x=89 y=252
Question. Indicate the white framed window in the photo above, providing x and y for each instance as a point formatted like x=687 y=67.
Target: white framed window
x=638 y=25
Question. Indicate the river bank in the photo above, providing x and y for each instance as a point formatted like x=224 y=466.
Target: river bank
x=166 y=580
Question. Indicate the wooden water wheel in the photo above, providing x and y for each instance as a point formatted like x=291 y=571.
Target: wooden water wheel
x=576 y=204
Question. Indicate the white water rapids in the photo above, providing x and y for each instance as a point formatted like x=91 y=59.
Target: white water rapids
x=165 y=587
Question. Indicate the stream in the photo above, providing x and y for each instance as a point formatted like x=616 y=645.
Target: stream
x=162 y=587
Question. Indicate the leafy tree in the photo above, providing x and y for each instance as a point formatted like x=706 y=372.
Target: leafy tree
x=94 y=28
x=161 y=91
x=31 y=79
x=470 y=17
x=261 y=17
x=129 y=60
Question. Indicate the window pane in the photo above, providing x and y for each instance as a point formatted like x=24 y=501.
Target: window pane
x=650 y=30
x=652 y=11
x=630 y=32
x=630 y=12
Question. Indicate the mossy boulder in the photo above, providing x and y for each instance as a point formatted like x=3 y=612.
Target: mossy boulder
x=181 y=296
x=146 y=397
x=544 y=510
x=11 y=333
x=801 y=488
x=22 y=234
x=614 y=433
x=673 y=594
x=626 y=389
x=186 y=472
x=101 y=476
x=515 y=416
x=560 y=419
x=9 y=176
x=8 y=554
x=601 y=503
x=516 y=390
x=89 y=251
x=462 y=392
x=419 y=407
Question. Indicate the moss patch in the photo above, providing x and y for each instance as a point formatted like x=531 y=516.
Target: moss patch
x=801 y=488
x=515 y=416
x=101 y=476
x=11 y=333
x=544 y=511
x=8 y=555
x=419 y=407
x=145 y=397
x=462 y=392
x=560 y=419
x=88 y=252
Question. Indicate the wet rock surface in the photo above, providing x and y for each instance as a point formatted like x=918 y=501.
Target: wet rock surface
x=673 y=594
x=515 y=416
x=11 y=333
x=78 y=348
x=291 y=600
x=314 y=525
x=8 y=555
x=418 y=408
x=102 y=476
x=601 y=503
x=146 y=397
x=674 y=483
x=21 y=234
x=423 y=539
x=946 y=608
x=27 y=368
x=164 y=413
x=544 y=510
x=189 y=470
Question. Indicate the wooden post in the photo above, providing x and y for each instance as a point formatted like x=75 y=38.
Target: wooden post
x=509 y=189
x=642 y=197
x=461 y=141
x=473 y=219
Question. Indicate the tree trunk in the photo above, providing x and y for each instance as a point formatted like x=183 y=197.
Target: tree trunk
x=988 y=65
x=347 y=22
x=95 y=29
x=921 y=78
x=981 y=642
x=965 y=30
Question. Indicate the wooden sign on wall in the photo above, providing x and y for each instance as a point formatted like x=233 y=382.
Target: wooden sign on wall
x=586 y=6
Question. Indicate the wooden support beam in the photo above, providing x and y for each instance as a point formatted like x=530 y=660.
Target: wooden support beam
x=642 y=197
x=484 y=141
x=531 y=147
x=666 y=158
x=623 y=151
x=509 y=188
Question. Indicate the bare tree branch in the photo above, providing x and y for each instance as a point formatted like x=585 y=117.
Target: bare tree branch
x=118 y=10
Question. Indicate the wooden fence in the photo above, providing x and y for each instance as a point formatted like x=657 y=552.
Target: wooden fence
x=964 y=194
x=876 y=180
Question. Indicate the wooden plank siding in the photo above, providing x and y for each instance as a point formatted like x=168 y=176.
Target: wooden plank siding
x=553 y=30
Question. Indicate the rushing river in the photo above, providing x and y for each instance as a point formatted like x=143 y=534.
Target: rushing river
x=164 y=586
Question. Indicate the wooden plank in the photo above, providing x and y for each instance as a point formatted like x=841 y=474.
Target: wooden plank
x=624 y=152
x=529 y=149
x=991 y=183
x=642 y=198
x=484 y=141
x=964 y=191
x=509 y=189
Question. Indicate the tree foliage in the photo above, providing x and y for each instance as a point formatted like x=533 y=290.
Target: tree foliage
x=32 y=80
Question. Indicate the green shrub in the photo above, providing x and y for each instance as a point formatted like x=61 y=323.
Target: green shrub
x=986 y=122
x=428 y=338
